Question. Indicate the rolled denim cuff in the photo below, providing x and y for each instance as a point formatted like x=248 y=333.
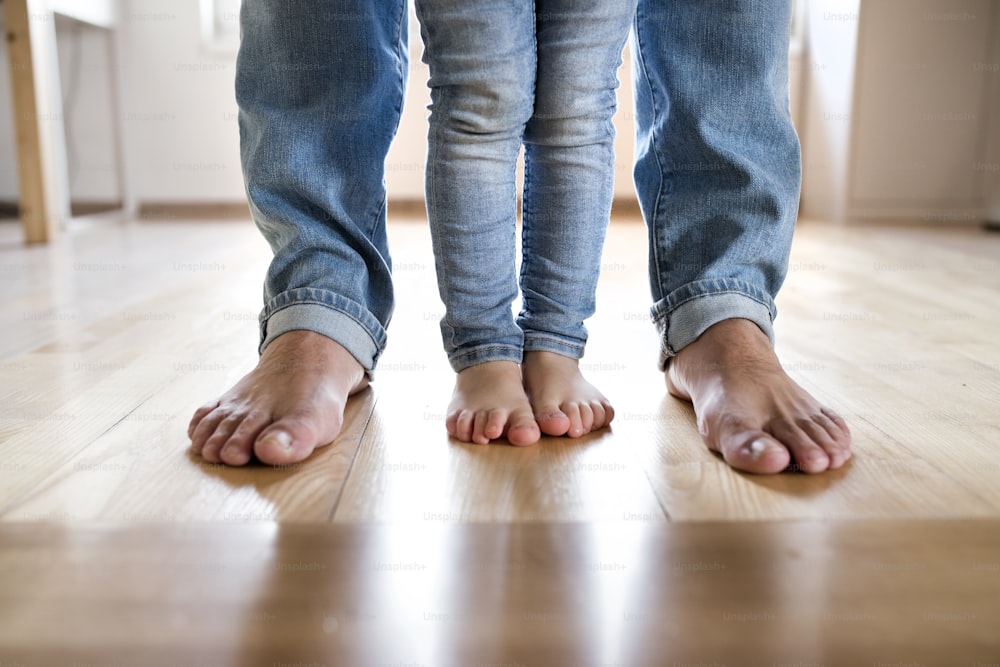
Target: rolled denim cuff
x=535 y=341
x=481 y=354
x=340 y=319
x=689 y=311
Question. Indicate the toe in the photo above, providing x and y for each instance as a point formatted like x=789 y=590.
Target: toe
x=275 y=446
x=572 y=411
x=808 y=456
x=552 y=421
x=837 y=428
x=479 y=436
x=286 y=441
x=200 y=414
x=238 y=449
x=451 y=424
x=600 y=416
x=522 y=430
x=212 y=451
x=206 y=429
x=842 y=432
x=609 y=412
x=586 y=421
x=496 y=420
x=463 y=425
x=825 y=433
x=236 y=453
x=756 y=453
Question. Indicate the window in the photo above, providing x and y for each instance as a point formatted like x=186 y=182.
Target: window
x=220 y=25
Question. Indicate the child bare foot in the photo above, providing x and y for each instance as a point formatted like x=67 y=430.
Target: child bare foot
x=564 y=403
x=290 y=404
x=489 y=403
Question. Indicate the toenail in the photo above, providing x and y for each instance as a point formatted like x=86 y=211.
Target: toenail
x=280 y=439
x=758 y=447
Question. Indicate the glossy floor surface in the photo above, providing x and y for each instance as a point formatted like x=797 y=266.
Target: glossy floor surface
x=631 y=546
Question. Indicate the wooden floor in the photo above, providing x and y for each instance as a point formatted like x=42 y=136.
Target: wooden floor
x=113 y=335
x=836 y=593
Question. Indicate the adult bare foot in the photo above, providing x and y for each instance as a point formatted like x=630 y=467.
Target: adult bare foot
x=489 y=403
x=564 y=402
x=290 y=404
x=747 y=407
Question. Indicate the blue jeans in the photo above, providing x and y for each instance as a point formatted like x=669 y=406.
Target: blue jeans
x=320 y=86
x=503 y=73
x=320 y=89
x=717 y=161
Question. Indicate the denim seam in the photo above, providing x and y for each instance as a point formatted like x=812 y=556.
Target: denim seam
x=527 y=229
x=653 y=215
x=458 y=360
x=397 y=109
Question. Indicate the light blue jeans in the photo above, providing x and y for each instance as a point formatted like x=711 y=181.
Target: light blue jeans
x=507 y=73
x=320 y=86
x=717 y=161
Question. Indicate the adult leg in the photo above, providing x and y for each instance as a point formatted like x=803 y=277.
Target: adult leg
x=482 y=62
x=320 y=89
x=569 y=174
x=718 y=175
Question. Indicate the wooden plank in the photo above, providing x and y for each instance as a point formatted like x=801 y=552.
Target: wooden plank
x=140 y=470
x=906 y=345
x=734 y=593
x=93 y=425
x=62 y=397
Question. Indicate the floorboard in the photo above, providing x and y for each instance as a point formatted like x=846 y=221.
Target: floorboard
x=533 y=594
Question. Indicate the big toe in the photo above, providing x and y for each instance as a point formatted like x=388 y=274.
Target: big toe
x=758 y=454
x=522 y=430
x=552 y=421
x=285 y=442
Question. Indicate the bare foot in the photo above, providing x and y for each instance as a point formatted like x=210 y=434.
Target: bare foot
x=292 y=403
x=564 y=403
x=749 y=410
x=489 y=403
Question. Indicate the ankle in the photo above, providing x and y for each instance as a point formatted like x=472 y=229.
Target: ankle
x=549 y=359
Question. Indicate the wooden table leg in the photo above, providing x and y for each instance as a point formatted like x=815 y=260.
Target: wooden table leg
x=41 y=149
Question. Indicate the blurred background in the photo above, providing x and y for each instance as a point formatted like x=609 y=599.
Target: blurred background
x=897 y=103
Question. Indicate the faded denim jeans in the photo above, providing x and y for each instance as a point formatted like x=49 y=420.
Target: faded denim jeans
x=507 y=73
x=320 y=86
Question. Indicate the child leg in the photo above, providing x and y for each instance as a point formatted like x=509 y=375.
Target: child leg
x=481 y=55
x=569 y=169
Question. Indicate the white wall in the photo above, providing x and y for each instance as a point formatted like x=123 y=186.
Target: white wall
x=831 y=41
x=179 y=109
x=180 y=106
x=901 y=104
x=180 y=113
x=921 y=107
